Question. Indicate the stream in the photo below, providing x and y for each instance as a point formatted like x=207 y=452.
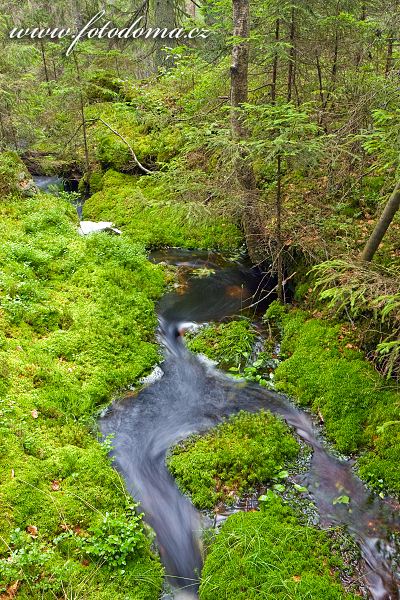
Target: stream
x=52 y=184
x=191 y=397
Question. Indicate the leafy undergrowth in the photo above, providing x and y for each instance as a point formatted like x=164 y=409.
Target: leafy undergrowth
x=149 y=215
x=76 y=324
x=229 y=344
x=323 y=368
x=232 y=458
x=269 y=555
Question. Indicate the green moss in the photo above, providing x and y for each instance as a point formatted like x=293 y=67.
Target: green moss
x=14 y=176
x=246 y=450
x=230 y=344
x=269 y=555
x=146 y=213
x=96 y=182
x=275 y=312
x=323 y=369
x=77 y=324
x=153 y=139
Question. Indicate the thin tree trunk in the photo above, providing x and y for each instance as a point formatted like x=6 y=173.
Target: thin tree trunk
x=321 y=116
x=334 y=69
x=389 y=54
x=382 y=225
x=46 y=72
x=82 y=111
x=54 y=69
x=275 y=63
x=3 y=131
x=292 y=55
x=359 y=53
x=239 y=88
x=279 y=229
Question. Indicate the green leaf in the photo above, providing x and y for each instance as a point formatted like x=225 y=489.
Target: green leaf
x=341 y=500
x=300 y=488
x=279 y=487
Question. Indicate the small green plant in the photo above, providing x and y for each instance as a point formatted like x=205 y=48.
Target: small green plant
x=341 y=500
x=32 y=561
x=260 y=371
x=115 y=539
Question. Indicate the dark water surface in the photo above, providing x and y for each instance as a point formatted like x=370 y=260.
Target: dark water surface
x=192 y=397
x=52 y=184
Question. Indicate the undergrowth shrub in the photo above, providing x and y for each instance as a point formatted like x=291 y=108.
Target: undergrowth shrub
x=114 y=540
x=365 y=294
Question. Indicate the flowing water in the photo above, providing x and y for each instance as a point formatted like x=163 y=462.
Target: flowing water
x=52 y=184
x=48 y=184
x=192 y=397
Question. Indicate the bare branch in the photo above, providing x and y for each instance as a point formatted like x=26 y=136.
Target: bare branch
x=125 y=141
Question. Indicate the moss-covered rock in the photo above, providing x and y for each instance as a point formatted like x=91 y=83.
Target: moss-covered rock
x=14 y=176
x=229 y=344
x=248 y=449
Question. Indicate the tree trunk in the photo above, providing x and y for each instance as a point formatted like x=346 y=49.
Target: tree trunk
x=275 y=63
x=82 y=111
x=279 y=244
x=321 y=116
x=292 y=56
x=359 y=54
x=54 y=69
x=389 y=54
x=239 y=88
x=382 y=225
x=3 y=132
x=164 y=17
x=239 y=66
x=334 y=70
x=46 y=72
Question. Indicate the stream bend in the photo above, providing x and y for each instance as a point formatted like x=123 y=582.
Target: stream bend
x=191 y=397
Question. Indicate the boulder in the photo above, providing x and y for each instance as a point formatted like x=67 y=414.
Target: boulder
x=15 y=177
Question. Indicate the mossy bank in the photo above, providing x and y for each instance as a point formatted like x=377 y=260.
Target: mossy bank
x=269 y=554
x=323 y=368
x=77 y=324
x=148 y=212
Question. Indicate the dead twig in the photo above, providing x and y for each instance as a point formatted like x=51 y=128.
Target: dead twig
x=125 y=141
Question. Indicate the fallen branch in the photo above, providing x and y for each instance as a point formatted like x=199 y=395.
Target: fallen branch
x=121 y=137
